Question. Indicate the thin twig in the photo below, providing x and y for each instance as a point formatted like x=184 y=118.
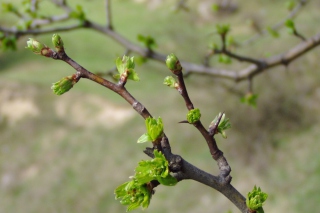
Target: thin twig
x=278 y=25
x=108 y=14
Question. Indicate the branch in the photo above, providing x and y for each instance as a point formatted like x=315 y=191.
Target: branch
x=181 y=168
x=108 y=14
x=291 y=15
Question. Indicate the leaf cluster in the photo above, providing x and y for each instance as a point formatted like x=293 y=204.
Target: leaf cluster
x=138 y=191
x=125 y=67
x=193 y=115
x=255 y=199
x=154 y=130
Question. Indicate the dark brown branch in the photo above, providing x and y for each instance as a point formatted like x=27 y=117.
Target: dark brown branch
x=183 y=169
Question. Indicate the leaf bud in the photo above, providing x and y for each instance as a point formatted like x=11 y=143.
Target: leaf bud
x=193 y=115
x=35 y=46
x=173 y=64
x=64 y=85
x=57 y=42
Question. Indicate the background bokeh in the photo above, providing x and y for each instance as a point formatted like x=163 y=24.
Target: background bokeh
x=69 y=153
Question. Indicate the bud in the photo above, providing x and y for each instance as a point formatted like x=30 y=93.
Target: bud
x=173 y=64
x=64 y=85
x=35 y=46
x=170 y=81
x=255 y=199
x=193 y=116
x=57 y=42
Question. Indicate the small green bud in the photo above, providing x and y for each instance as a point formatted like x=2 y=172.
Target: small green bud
x=193 y=115
x=148 y=41
x=273 y=32
x=170 y=81
x=290 y=26
x=173 y=64
x=57 y=42
x=255 y=199
x=223 y=29
x=224 y=59
x=35 y=46
x=64 y=85
x=250 y=99
x=290 y=5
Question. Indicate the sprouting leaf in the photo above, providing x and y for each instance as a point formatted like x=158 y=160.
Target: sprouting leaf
x=222 y=29
x=273 y=32
x=250 y=99
x=125 y=67
x=170 y=81
x=144 y=138
x=193 y=115
x=148 y=41
x=63 y=86
x=255 y=199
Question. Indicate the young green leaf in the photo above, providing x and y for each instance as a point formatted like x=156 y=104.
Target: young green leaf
x=255 y=199
x=154 y=128
x=170 y=81
x=144 y=138
x=155 y=169
x=250 y=99
x=133 y=195
x=125 y=67
x=222 y=29
x=64 y=85
x=193 y=115
x=223 y=125
x=148 y=41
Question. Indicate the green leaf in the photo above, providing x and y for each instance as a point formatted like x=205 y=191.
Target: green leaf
x=125 y=67
x=78 y=13
x=222 y=29
x=290 y=5
x=224 y=59
x=144 y=138
x=272 y=32
x=133 y=75
x=256 y=198
x=170 y=81
x=8 y=42
x=155 y=169
x=250 y=99
x=133 y=195
x=193 y=115
x=223 y=125
x=63 y=86
x=154 y=128
x=148 y=41
x=290 y=26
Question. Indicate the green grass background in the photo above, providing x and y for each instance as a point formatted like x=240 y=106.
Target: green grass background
x=60 y=157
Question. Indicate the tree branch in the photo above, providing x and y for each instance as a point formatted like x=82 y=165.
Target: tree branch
x=181 y=168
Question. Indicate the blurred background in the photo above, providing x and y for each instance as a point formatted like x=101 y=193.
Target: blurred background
x=61 y=154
